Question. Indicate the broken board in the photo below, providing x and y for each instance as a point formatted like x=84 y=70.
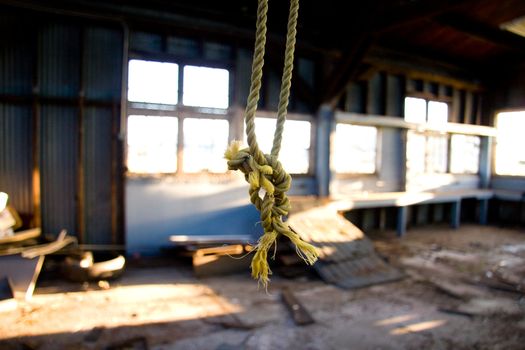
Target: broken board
x=346 y=256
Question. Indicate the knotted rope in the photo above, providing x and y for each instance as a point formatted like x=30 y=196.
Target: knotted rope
x=264 y=172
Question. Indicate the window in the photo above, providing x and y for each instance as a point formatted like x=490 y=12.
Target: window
x=205 y=87
x=426 y=153
x=153 y=82
x=510 y=145
x=155 y=118
x=204 y=143
x=355 y=149
x=464 y=155
x=152 y=144
x=295 y=145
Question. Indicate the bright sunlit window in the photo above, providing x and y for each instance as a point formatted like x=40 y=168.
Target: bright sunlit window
x=205 y=87
x=153 y=82
x=355 y=149
x=152 y=144
x=204 y=143
x=415 y=110
x=464 y=157
x=419 y=110
x=426 y=153
x=510 y=143
x=295 y=146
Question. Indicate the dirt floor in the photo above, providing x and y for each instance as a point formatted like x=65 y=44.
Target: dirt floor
x=464 y=289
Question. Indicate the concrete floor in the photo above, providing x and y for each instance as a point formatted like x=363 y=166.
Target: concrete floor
x=439 y=305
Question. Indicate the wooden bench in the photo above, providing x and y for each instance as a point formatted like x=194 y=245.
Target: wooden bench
x=403 y=200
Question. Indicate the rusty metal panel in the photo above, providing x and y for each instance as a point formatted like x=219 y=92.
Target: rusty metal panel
x=102 y=69
x=59 y=61
x=16 y=160
x=97 y=175
x=58 y=168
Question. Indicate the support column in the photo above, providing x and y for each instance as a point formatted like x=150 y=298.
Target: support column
x=485 y=167
x=455 y=214
x=402 y=216
x=325 y=125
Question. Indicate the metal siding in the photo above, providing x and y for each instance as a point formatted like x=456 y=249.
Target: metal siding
x=97 y=175
x=58 y=168
x=16 y=156
x=59 y=59
x=16 y=53
x=141 y=41
x=216 y=51
x=183 y=47
x=102 y=71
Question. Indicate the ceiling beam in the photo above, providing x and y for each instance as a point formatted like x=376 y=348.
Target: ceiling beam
x=483 y=32
x=376 y=23
x=346 y=70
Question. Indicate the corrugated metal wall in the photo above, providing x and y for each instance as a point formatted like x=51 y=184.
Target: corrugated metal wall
x=59 y=60
x=58 y=168
x=64 y=76
x=16 y=161
x=97 y=175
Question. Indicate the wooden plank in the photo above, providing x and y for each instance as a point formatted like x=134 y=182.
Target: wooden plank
x=221 y=250
x=347 y=258
x=21 y=236
x=49 y=248
x=396 y=122
x=211 y=239
x=401 y=199
x=300 y=314
x=213 y=265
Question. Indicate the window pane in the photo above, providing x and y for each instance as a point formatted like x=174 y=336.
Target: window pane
x=354 y=149
x=437 y=112
x=153 y=82
x=205 y=87
x=204 y=143
x=464 y=158
x=152 y=144
x=295 y=146
x=510 y=146
x=415 y=110
x=436 y=156
x=416 y=144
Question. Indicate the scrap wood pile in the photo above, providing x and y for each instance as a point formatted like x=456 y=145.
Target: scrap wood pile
x=23 y=251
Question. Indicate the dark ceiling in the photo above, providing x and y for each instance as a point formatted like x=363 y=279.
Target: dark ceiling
x=463 y=33
x=449 y=26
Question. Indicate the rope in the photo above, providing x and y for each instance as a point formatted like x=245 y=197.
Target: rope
x=264 y=172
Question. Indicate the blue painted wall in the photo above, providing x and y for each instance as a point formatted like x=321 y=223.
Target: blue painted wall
x=158 y=208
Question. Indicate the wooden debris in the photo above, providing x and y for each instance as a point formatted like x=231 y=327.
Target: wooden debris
x=44 y=249
x=139 y=343
x=455 y=312
x=300 y=314
x=347 y=258
x=213 y=261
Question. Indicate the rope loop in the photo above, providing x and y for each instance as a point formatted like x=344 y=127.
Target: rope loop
x=264 y=172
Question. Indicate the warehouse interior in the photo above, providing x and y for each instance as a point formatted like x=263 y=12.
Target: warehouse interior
x=404 y=131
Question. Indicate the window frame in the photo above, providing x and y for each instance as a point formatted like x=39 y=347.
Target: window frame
x=299 y=117
x=428 y=134
x=179 y=110
x=494 y=145
x=378 y=158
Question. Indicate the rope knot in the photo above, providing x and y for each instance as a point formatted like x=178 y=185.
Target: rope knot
x=263 y=171
x=273 y=206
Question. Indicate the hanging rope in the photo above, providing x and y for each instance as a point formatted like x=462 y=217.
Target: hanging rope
x=264 y=172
